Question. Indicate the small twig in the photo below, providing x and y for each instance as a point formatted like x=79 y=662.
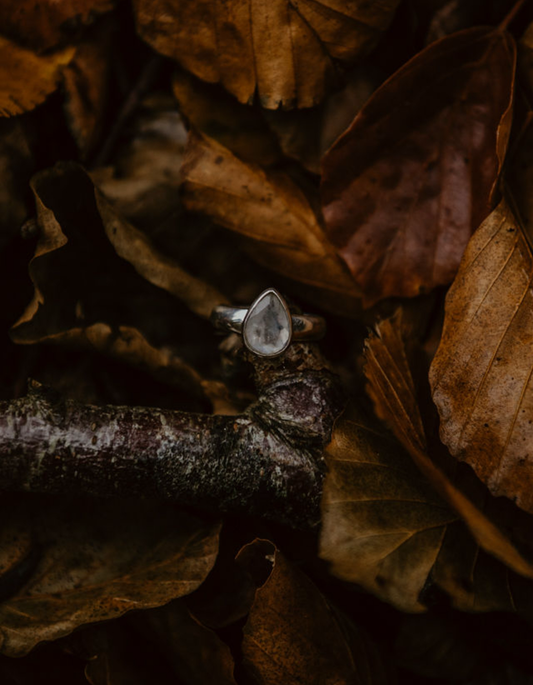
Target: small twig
x=266 y=461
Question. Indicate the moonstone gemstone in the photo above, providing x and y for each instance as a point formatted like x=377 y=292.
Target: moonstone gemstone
x=267 y=327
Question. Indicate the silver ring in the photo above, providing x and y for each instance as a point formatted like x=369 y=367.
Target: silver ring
x=267 y=326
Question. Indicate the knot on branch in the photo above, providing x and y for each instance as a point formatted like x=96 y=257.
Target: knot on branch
x=267 y=461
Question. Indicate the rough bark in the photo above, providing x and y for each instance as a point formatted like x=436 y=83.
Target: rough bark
x=266 y=461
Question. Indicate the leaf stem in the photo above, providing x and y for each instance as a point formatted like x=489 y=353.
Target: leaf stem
x=510 y=16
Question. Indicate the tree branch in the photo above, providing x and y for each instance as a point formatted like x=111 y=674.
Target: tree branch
x=266 y=461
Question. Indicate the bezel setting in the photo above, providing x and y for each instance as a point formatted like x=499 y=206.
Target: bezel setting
x=270 y=292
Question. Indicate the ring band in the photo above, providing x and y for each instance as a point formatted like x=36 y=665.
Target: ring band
x=267 y=326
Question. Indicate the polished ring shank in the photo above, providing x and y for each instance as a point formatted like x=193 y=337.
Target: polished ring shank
x=267 y=326
x=304 y=326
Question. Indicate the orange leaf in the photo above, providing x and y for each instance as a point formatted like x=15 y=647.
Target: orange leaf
x=481 y=376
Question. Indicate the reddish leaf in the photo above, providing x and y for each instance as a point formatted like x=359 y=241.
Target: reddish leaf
x=413 y=176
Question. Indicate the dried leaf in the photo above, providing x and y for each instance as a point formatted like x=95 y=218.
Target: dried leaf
x=128 y=345
x=26 y=79
x=211 y=110
x=136 y=248
x=481 y=375
x=269 y=209
x=97 y=560
x=383 y=528
x=286 y=51
x=293 y=635
x=391 y=388
x=413 y=176
x=87 y=285
x=43 y=24
x=197 y=654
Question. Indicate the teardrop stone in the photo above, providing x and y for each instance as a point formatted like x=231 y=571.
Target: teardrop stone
x=267 y=327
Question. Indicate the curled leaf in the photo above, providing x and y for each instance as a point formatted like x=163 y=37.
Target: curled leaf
x=481 y=376
x=99 y=282
x=392 y=390
x=406 y=185
x=293 y=635
x=287 y=51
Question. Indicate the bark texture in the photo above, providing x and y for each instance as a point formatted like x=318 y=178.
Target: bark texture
x=266 y=461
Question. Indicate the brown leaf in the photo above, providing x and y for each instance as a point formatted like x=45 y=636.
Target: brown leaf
x=284 y=50
x=197 y=654
x=137 y=249
x=42 y=24
x=392 y=390
x=294 y=636
x=481 y=375
x=26 y=79
x=269 y=209
x=216 y=113
x=385 y=529
x=127 y=344
x=89 y=291
x=413 y=176
x=98 y=559
x=252 y=133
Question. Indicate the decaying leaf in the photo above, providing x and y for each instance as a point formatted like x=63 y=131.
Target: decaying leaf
x=286 y=50
x=385 y=529
x=293 y=635
x=196 y=653
x=43 y=24
x=88 y=288
x=391 y=388
x=411 y=179
x=481 y=376
x=96 y=560
x=27 y=79
x=267 y=208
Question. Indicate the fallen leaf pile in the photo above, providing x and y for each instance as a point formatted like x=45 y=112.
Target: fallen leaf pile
x=372 y=161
